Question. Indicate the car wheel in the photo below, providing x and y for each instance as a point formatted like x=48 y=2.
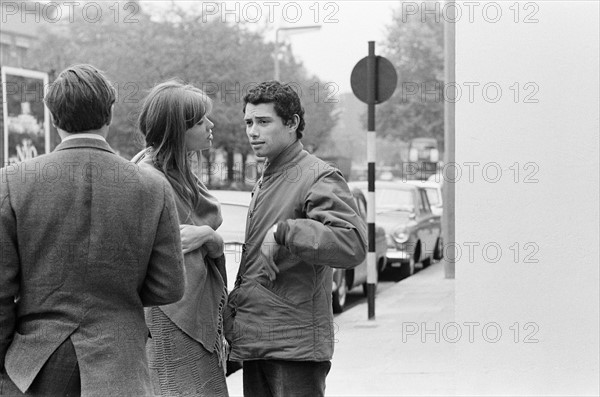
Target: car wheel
x=381 y=266
x=426 y=262
x=407 y=269
x=439 y=249
x=339 y=295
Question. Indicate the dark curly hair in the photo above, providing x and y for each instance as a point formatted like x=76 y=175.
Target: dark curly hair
x=286 y=101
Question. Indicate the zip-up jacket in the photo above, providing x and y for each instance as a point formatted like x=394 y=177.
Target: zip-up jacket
x=291 y=317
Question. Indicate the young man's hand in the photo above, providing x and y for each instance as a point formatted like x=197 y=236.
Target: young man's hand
x=268 y=250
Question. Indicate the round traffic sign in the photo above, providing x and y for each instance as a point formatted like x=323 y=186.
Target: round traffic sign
x=385 y=76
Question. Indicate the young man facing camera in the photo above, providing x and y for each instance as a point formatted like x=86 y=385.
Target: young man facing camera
x=302 y=221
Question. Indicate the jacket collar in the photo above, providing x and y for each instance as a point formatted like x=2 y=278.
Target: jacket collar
x=282 y=161
x=82 y=142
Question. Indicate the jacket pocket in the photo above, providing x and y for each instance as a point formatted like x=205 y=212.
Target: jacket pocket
x=278 y=299
x=263 y=318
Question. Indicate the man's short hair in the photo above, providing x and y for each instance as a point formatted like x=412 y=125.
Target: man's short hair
x=286 y=101
x=80 y=99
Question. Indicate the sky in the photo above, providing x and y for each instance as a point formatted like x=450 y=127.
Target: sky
x=332 y=51
x=329 y=52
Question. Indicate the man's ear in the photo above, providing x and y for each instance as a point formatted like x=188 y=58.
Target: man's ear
x=110 y=117
x=294 y=122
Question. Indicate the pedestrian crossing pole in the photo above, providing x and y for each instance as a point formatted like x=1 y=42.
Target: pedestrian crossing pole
x=371 y=153
x=373 y=81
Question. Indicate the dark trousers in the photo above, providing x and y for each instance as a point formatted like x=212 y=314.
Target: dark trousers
x=58 y=377
x=278 y=378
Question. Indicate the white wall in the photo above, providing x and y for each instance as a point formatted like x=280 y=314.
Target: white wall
x=555 y=145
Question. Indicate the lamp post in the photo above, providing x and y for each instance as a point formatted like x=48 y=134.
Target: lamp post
x=294 y=29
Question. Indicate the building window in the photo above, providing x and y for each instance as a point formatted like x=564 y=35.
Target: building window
x=5 y=54
x=20 y=53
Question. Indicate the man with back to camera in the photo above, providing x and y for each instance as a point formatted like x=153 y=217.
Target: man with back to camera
x=87 y=240
x=302 y=221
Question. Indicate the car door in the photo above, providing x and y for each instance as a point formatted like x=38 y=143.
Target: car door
x=421 y=225
x=431 y=224
x=435 y=199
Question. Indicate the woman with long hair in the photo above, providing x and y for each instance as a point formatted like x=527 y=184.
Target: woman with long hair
x=186 y=348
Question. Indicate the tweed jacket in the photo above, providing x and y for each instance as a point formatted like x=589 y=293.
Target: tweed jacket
x=87 y=240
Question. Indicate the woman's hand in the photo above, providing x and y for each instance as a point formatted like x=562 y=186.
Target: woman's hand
x=194 y=237
x=216 y=246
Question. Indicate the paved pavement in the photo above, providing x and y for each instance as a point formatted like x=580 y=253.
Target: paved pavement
x=397 y=353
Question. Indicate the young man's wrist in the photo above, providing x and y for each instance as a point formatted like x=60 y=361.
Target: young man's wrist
x=274 y=231
x=279 y=231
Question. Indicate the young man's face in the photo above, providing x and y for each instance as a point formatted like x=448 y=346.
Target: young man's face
x=266 y=131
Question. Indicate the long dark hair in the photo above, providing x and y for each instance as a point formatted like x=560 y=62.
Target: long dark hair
x=169 y=110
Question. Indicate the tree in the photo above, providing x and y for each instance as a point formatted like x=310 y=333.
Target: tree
x=318 y=103
x=415 y=45
x=111 y=47
x=221 y=58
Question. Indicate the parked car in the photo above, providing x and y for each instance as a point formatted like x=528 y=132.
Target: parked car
x=434 y=194
x=438 y=177
x=345 y=280
x=413 y=232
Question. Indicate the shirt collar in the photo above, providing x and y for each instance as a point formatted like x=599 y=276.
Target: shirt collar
x=84 y=135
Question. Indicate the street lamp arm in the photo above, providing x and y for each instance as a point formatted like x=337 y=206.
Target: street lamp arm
x=291 y=29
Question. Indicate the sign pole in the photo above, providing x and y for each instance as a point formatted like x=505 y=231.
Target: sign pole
x=371 y=155
x=373 y=81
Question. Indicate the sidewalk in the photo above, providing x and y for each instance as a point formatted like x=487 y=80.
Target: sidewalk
x=387 y=356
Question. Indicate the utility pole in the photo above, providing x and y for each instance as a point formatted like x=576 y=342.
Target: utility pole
x=448 y=189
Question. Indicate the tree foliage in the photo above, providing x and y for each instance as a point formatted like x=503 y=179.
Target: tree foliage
x=223 y=59
x=415 y=45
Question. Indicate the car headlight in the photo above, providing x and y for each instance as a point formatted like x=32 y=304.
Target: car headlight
x=400 y=236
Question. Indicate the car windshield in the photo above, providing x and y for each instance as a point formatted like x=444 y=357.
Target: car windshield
x=394 y=200
x=432 y=195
